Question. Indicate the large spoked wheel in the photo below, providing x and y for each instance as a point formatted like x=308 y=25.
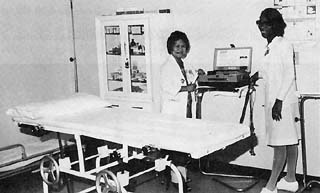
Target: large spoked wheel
x=107 y=182
x=49 y=170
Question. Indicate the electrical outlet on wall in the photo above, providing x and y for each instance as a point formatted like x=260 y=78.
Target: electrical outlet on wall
x=310 y=30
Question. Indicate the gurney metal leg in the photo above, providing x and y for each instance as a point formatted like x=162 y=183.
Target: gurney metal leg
x=66 y=177
x=177 y=173
x=238 y=189
x=45 y=187
x=80 y=153
x=61 y=147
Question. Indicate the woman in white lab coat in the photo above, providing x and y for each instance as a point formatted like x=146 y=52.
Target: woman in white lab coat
x=177 y=82
x=281 y=102
x=177 y=79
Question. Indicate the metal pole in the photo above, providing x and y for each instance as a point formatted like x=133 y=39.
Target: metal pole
x=74 y=59
x=306 y=184
x=303 y=142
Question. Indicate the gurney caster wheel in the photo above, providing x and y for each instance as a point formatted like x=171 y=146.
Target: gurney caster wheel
x=49 y=170
x=106 y=182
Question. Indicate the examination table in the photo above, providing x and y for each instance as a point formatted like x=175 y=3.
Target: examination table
x=133 y=129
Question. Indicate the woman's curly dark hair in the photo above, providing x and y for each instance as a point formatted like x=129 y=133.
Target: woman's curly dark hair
x=274 y=17
x=175 y=36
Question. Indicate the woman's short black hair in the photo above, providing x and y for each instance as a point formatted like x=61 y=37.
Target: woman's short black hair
x=274 y=17
x=175 y=36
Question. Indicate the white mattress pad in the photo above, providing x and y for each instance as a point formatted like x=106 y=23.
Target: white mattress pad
x=138 y=128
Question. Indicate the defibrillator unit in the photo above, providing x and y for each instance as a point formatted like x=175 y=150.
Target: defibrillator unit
x=231 y=68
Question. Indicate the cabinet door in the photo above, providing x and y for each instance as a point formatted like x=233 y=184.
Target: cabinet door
x=139 y=63
x=114 y=58
x=124 y=60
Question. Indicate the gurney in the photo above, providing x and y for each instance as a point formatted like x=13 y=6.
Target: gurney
x=24 y=156
x=135 y=130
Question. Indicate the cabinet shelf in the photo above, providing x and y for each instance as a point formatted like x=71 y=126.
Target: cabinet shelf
x=112 y=54
x=142 y=54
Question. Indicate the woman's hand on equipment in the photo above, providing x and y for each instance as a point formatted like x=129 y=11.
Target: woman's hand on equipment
x=201 y=72
x=276 y=110
x=191 y=87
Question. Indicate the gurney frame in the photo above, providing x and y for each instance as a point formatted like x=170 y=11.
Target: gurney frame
x=105 y=179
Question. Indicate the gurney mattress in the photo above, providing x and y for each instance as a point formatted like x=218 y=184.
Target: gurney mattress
x=138 y=128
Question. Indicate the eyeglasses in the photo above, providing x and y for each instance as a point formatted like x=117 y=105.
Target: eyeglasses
x=260 y=23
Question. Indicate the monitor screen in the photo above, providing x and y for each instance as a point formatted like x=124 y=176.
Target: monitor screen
x=233 y=58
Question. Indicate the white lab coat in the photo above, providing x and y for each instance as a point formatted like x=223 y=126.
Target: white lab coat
x=278 y=72
x=171 y=79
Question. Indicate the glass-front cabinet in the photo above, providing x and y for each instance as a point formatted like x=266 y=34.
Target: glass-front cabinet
x=124 y=58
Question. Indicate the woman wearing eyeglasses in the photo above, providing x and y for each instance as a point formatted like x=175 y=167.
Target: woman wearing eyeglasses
x=281 y=103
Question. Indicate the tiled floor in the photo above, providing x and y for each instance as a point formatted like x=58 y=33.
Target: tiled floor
x=149 y=183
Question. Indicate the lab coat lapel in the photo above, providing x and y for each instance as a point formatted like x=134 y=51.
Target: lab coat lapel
x=176 y=72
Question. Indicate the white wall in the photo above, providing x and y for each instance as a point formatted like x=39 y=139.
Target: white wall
x=34 y=53
x=35 y=46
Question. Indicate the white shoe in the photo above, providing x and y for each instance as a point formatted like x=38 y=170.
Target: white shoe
x=288 y=186
x=265 y=190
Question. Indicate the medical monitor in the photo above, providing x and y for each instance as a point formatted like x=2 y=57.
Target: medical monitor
x=239 y=58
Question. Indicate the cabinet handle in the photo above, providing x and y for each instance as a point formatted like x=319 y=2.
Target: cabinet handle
x=126 y=64
x=136 y=107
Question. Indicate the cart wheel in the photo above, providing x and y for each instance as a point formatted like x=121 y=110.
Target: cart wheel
x=107 y=182
x=49 y=170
